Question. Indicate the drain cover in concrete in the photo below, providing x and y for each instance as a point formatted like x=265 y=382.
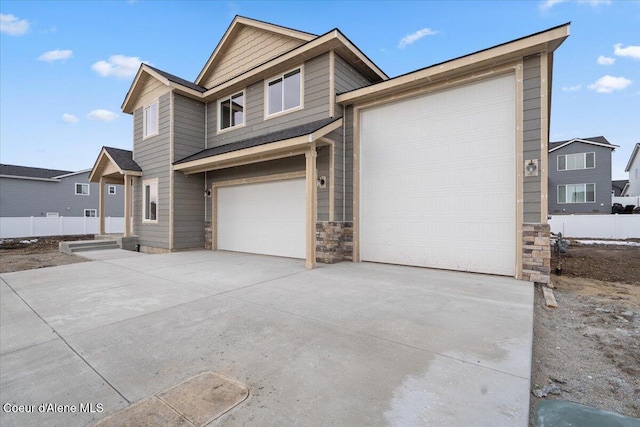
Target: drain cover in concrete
x=197 y=401
x=149 y=412
x=205 y=397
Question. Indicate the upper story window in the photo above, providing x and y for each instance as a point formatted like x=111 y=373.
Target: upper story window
x=568 y=162
x=577 y=193
x=231 y=111
x=111 y=189
x=82 y=189
x=284 y=92
x=150 y=120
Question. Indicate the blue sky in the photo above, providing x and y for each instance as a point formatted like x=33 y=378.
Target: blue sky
x=65 y=67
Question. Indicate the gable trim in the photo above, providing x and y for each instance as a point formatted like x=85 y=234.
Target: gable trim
x=634 y=153
x=584 y=141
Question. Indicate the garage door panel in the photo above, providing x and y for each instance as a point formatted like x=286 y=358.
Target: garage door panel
x=437 y=185
x=264 y=218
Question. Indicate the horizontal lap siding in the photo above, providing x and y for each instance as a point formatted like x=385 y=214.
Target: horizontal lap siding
x=600 y=175
x=532 y=136
x=348 y=171
x=322 y=166
x=249 y=48
x=188 y=190
x=153 y=156
x=316 y=107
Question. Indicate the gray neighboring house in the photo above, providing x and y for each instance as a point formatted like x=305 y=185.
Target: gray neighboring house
x=27 y=191
x=619 y=187
x=580 y=176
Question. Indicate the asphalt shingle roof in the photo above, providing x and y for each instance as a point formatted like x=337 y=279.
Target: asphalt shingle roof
x=123 y=158
x=598 y=139
x=268 y=138
x=178 y=80
x=30 y=172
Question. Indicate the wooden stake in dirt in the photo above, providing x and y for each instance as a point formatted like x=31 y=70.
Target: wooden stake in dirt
x=549 y=298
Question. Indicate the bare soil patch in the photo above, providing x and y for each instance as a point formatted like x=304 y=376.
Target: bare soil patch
x=588 y=349
x=36 y=252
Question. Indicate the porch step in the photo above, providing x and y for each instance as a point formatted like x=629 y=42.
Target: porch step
x=88 y=245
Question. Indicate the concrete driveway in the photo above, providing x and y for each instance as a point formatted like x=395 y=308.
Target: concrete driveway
x=351 y=344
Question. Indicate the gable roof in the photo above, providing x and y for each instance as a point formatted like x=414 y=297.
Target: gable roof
x=618 y=186
x=31 y=172
x=236 y=25
x=114 y=161
x=600 y=141
x=123 y=158
x=634 y=153
x=177 y=79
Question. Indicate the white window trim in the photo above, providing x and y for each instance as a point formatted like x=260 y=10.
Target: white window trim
x=576 y=203
x=144 y=120
x=75 y=189
x=268 y=116
x=573 y=154
x=244 y=112
x=144 y=202
x=109 y=188
x=91 y=210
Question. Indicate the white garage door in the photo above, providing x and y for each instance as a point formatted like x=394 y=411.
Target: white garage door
x=438 y=180
x=263 y=218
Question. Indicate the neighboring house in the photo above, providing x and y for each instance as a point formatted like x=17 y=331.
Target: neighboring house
x=580 y=176
x=633 y=167
x=27 y=192
x=620 y=187
x=298 y=145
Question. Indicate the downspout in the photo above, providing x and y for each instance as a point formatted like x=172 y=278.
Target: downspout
x=344 y=164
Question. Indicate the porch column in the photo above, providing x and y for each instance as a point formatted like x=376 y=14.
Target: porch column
x=127 y=206
x=101 y=208
x=312 y=206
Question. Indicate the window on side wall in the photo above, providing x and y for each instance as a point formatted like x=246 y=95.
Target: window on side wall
x=231 y=111
x=576 y=161
x=150 y=201
x=150 y=120
x=90 y=213
x=577 y=193
x=82 y=189
x=111 y=189
x=284 y=92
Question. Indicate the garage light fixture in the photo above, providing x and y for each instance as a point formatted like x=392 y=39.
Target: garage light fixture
x=531 y=167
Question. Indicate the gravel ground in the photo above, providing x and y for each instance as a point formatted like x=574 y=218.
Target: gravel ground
x=30 y=253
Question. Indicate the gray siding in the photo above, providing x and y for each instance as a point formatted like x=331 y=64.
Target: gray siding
x=26 y=198
x=316 y=107
x=348 y=171
x=188 y=190
x=153 y=156
x=532 y=137
x=600 y=175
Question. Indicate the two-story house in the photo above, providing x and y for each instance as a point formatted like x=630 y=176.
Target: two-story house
x=39 y=192
x=298 y=145
x=633 y=168
x=580 y=176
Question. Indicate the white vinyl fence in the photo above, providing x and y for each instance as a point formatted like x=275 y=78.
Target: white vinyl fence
x=36 y=226
x=597 y=226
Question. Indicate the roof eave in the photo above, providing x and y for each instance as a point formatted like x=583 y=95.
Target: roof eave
x=632 y=158
x=584 y=141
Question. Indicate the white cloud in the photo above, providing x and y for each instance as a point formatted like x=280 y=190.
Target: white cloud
x=548 y=4
x=572 y=88
x=119 y=66
x=13 y=26
x=608 y=84
x=630 y=51
x=69 y=118
x=606 y=60
x=412 y=38
x=55 y=55
x=102 y=115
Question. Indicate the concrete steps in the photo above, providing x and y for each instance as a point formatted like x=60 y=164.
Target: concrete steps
x=88 y=245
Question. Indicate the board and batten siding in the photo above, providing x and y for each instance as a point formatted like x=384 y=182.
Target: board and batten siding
x=600 y=176
x=28 y=197
x=532 y=136
x=188 y=190
x=153 y=156
x=315 y=103
x=249 y=48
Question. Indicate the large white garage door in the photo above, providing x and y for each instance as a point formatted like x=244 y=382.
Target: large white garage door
x=437 y=183
x=263 y=218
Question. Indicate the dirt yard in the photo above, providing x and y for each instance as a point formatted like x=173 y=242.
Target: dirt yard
x=30 y=253
x=588 y=349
